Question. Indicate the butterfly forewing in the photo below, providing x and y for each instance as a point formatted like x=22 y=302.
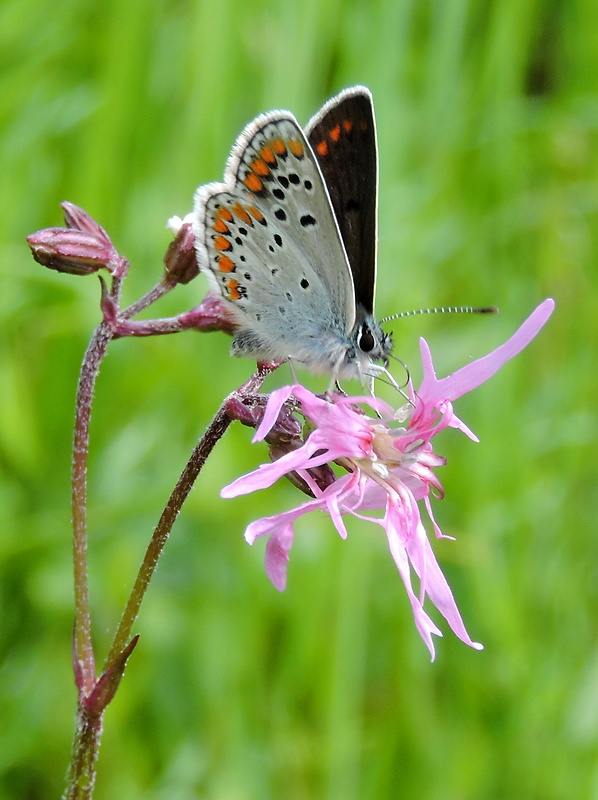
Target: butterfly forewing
x=343 y=138
x=269 y=236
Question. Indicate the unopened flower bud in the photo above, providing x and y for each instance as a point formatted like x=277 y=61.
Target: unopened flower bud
x=249 y=410
x=82 y=248
x=76 y=217
x=76 y=252
x=180 y=258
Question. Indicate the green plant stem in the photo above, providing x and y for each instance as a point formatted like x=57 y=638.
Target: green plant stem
x=159 y=290
x=95 y=693
x=89 y=728
x=212 y=435
x=81 y=776
x=171 y=511
x=83 y=650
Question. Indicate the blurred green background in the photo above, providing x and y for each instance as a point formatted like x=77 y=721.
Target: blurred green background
x=487 y=115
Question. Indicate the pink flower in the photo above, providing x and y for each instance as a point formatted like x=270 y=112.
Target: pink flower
x=389 y=463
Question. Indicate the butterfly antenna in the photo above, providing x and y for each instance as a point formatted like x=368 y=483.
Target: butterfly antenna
x=443 y=310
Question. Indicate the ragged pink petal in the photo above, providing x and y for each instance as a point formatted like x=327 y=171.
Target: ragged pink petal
x=277 y=556
x=478 y=372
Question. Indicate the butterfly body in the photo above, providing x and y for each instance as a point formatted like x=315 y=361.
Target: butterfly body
x=289 y=237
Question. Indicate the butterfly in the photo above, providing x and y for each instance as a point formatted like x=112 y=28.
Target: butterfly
x=290 y=239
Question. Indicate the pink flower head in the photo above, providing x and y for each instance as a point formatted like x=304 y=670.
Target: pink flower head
x=390 y=467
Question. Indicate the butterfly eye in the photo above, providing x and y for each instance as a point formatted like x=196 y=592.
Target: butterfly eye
x=366 y=341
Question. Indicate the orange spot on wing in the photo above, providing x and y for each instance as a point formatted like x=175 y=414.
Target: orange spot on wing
x=220 y=243
x=253 y=183
x=220 y=226
x=279 y=147
x=257 y=215
x=225 y=264
x=347 y=125
x=268 y=154
x=242 y=214
x=322 y=148
x=296 y=148
x=224 y=214
x=233 y=289
x=260 y=167
x=335 y=133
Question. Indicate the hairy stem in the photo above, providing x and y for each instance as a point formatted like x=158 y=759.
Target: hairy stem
x=213 y=433
x=152 y=296
x=81 y=776
x=83 y=651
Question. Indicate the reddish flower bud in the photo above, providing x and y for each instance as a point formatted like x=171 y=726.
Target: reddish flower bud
x=180 y=258
x=70 y=250
x=82 y=248
x=76 y=217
